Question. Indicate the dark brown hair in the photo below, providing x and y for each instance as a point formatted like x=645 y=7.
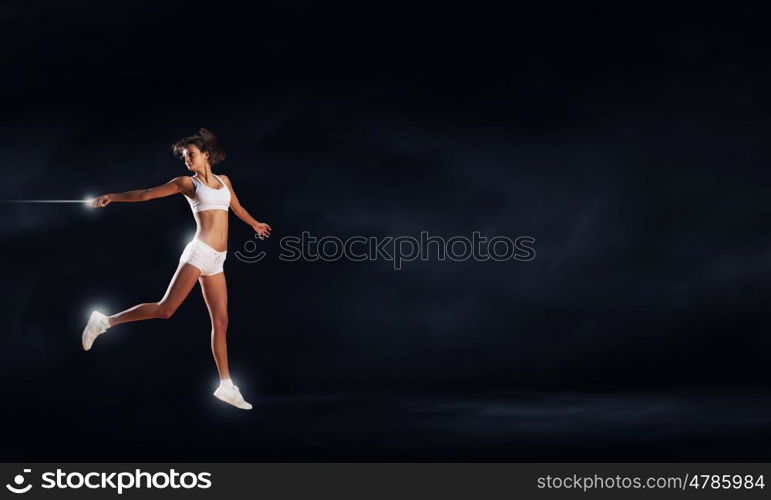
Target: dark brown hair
x=206 y=141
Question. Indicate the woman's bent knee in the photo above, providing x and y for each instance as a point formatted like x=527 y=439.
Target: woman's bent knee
x=164 y=311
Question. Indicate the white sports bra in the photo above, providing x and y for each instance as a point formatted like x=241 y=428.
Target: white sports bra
x=206 y=198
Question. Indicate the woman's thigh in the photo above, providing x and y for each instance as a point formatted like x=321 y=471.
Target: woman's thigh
x=181 y=283
x=215 y=294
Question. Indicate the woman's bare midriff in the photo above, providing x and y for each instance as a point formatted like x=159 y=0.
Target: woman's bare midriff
x=212 y=228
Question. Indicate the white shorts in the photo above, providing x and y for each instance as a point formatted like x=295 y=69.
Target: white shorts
x=204 y=257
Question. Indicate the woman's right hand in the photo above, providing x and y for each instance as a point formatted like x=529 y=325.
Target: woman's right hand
x=101 y=201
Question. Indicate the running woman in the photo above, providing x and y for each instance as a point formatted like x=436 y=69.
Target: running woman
x=210 y=196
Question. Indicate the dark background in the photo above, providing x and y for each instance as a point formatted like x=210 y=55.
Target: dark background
x=630 y=141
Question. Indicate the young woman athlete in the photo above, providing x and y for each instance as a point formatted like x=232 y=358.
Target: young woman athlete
x=209 y=196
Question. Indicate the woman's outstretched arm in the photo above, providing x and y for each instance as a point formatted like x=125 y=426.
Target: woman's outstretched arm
x=174 y=186
x=260 y=228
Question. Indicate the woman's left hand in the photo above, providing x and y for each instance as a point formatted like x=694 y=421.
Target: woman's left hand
x=262 y=229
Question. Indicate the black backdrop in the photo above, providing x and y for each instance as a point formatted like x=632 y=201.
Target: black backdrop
x=630 y=142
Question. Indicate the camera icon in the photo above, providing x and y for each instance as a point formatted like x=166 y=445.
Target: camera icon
x=19 y=481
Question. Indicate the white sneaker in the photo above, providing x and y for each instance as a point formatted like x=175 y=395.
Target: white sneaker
x=97 y=325
x=232 y=396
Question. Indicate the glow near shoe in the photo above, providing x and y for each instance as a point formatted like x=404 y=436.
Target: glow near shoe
x=232 y=396
x=97 y=325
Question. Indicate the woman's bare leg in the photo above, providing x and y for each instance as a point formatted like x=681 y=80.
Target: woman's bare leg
x=179 y=288
x=215 y=293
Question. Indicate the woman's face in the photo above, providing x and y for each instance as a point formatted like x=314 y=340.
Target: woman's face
x=194 y=159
